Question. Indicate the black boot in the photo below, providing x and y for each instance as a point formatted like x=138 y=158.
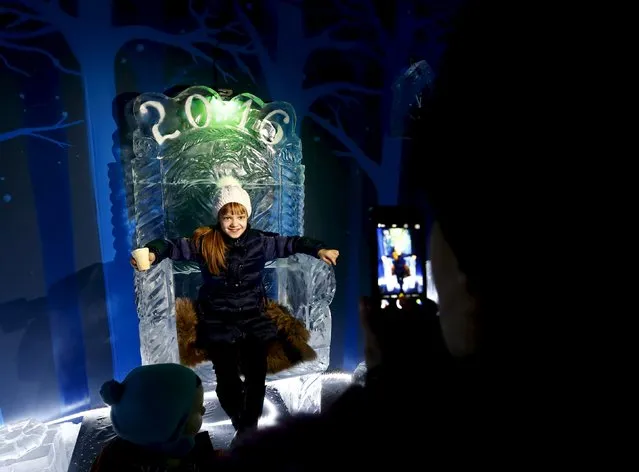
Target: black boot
x=253 y=365
x=236 y=422
x=244 y=424
x=241 y=433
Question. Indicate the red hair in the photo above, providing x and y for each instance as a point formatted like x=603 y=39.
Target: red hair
x=211 y=241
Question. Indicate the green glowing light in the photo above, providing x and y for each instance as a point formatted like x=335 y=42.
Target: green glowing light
x=212 y=110
x=225 y=111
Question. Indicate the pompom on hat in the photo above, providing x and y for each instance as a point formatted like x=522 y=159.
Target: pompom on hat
x=230 y=191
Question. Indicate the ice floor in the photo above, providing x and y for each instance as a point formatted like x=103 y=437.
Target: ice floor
x=70 y=444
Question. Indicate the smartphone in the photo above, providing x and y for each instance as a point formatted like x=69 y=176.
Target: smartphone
x=398 y=256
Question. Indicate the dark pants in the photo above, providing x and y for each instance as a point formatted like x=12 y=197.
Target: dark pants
x=237 y=344
x=241 y=400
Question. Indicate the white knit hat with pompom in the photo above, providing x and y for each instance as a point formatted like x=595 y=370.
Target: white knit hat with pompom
x=230 y=191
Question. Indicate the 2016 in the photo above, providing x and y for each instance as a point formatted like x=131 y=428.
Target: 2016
x=260 y=126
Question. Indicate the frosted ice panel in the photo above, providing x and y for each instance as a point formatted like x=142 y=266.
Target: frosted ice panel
x=206 y=373
x=29 y=446
x=301 y=394
x=156 y=313
x=19 y=439
x=306 y=286
x=147 y=190
x=308 y=289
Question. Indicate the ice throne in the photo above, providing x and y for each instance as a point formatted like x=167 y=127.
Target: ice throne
x=182 y=145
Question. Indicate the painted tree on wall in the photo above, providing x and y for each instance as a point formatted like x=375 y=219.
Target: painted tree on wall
x=95 y=40
x=393 y=48
x=39 y=132
x=8 y=40
x=96 y=58
x=283 y=65
x=48 y=185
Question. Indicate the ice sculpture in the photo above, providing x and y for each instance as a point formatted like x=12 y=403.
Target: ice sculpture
x=181 y=146
x=29 y=445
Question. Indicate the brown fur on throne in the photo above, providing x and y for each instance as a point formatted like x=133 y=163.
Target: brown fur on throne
x=289 y=349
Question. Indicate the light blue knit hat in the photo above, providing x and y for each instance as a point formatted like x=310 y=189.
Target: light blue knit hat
x=151 y=405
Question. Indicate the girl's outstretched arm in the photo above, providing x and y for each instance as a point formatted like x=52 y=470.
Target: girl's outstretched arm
x=177 y=249
x=276 y=246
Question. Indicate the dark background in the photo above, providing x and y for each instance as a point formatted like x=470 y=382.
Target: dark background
x=67 y=313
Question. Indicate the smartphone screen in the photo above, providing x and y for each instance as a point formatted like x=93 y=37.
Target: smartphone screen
x=400 y=258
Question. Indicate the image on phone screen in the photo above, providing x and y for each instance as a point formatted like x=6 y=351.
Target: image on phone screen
x=400 y=265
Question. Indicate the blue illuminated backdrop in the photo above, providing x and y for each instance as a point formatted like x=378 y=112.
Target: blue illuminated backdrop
x=67 y=313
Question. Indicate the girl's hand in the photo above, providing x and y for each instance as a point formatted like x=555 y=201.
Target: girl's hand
x=329 y=256
x=134 y=263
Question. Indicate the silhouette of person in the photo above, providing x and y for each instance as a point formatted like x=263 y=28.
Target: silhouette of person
x=400 y=268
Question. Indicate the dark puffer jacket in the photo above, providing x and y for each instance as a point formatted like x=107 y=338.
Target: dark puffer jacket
x=239 y=287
